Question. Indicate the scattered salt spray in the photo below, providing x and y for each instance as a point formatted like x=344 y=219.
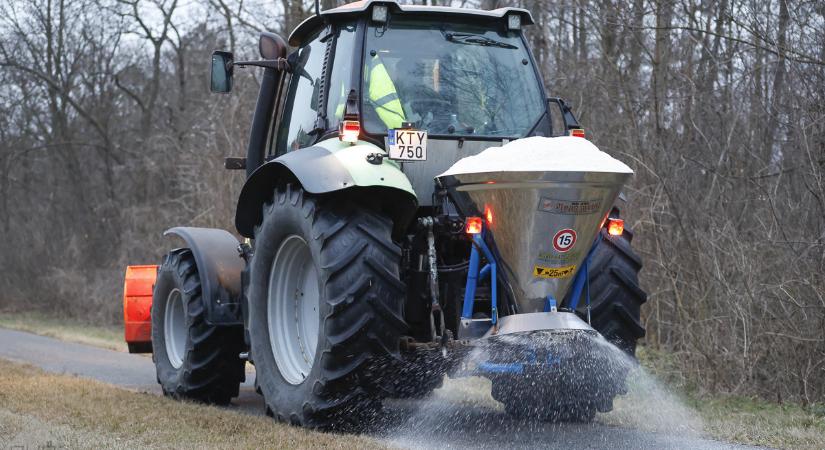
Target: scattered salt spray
x=463 y=414
x=557 y=154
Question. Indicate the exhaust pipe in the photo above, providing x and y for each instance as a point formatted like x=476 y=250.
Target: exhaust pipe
x=544 y=201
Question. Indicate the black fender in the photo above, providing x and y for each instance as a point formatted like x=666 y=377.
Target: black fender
x=319 y=171
x=219 y=268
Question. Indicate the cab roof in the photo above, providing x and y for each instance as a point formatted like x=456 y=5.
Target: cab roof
x=360 y=7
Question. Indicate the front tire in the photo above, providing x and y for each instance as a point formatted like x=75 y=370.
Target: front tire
x=334 y=379
x=193 y=359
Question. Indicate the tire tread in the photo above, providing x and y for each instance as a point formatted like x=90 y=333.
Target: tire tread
x=365 y=295
x=211 y=370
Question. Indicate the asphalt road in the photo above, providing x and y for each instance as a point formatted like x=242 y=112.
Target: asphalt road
x=446 y=420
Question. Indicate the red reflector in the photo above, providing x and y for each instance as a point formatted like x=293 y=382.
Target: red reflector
x=577 y=132
x=473 y=225
x=350 y=129
x=615 y=227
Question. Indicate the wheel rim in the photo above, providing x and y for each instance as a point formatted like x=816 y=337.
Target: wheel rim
x=174 y=327
x=293 y=300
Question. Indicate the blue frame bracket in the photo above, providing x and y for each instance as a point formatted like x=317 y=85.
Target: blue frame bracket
x=474 y=274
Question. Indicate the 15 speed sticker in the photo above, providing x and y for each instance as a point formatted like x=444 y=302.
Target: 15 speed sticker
x=553 y=272
x=564 y=240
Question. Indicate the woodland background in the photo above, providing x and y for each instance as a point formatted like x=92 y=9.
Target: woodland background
x=108 y=136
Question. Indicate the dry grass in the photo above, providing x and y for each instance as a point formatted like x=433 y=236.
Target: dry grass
x=72 y=330
x=731 y=419
x=738 y=419
x=36 y=407
x=757 y=422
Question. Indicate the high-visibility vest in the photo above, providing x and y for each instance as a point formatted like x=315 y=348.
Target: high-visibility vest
x=383 y=96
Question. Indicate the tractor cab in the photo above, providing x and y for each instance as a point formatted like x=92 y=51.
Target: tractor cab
x=427 y=84
x=453 y=76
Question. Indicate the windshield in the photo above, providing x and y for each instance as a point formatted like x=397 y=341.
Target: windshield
x=449 y=79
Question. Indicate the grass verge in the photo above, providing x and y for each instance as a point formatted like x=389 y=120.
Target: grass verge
x=739 y=419
x=72 y=330
x=37 y=408
x=757 y=422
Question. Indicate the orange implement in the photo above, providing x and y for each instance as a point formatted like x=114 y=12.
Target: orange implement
x=137 y=305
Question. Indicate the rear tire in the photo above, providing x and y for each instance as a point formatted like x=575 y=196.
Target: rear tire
x=615 y=295
x=359 y=312
x=536 y=407
x=566 y=376
x=194 y=360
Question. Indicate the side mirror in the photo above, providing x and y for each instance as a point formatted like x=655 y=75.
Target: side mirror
x=222 y=68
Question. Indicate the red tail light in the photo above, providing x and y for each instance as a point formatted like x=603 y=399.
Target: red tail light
x=473 y=225
x=488 y=214
x=615 y=227
x=577 y=132
x=350 y=130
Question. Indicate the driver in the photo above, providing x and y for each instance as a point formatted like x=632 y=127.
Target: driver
x=419 y=88
x=382 y=94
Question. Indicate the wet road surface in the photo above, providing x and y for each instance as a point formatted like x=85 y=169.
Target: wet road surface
x=444 y=420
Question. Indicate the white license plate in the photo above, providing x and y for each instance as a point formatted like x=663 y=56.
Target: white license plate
x=407 y=145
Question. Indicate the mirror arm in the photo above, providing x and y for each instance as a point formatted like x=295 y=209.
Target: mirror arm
x=278 y=64
x=570 y=121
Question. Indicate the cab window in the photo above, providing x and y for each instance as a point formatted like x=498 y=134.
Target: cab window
x=340 y=79
x=301 y=106
x=450 y=79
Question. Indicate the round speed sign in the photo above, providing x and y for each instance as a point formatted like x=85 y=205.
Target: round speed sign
x=564 y=240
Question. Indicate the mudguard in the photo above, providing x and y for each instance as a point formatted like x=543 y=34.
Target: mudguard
x=219 y=268
x=330 y=166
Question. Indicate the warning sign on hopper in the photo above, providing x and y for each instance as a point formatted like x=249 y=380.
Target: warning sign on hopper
x=553 y=272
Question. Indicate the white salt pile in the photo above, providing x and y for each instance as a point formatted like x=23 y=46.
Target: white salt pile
x=557 y=154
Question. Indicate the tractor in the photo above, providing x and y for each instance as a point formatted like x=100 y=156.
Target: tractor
x=412 y=195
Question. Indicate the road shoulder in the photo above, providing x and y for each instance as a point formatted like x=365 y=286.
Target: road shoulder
x=68 y=411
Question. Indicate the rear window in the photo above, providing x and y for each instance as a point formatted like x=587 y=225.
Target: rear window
x=449 y=79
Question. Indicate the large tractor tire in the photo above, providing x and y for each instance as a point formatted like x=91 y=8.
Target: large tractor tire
x=615 y=296
x=530 y=398
x=194 y=360
x=325 y=310
x=616 y=301
x=575 y=374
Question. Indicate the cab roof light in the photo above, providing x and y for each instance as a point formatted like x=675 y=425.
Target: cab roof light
x=473 y=225
x=615 y=227
x=380 y=13
x=514 y=22
x=349 y=131
x=577 y=132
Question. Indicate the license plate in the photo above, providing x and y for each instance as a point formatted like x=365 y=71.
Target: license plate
x=407 y=145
